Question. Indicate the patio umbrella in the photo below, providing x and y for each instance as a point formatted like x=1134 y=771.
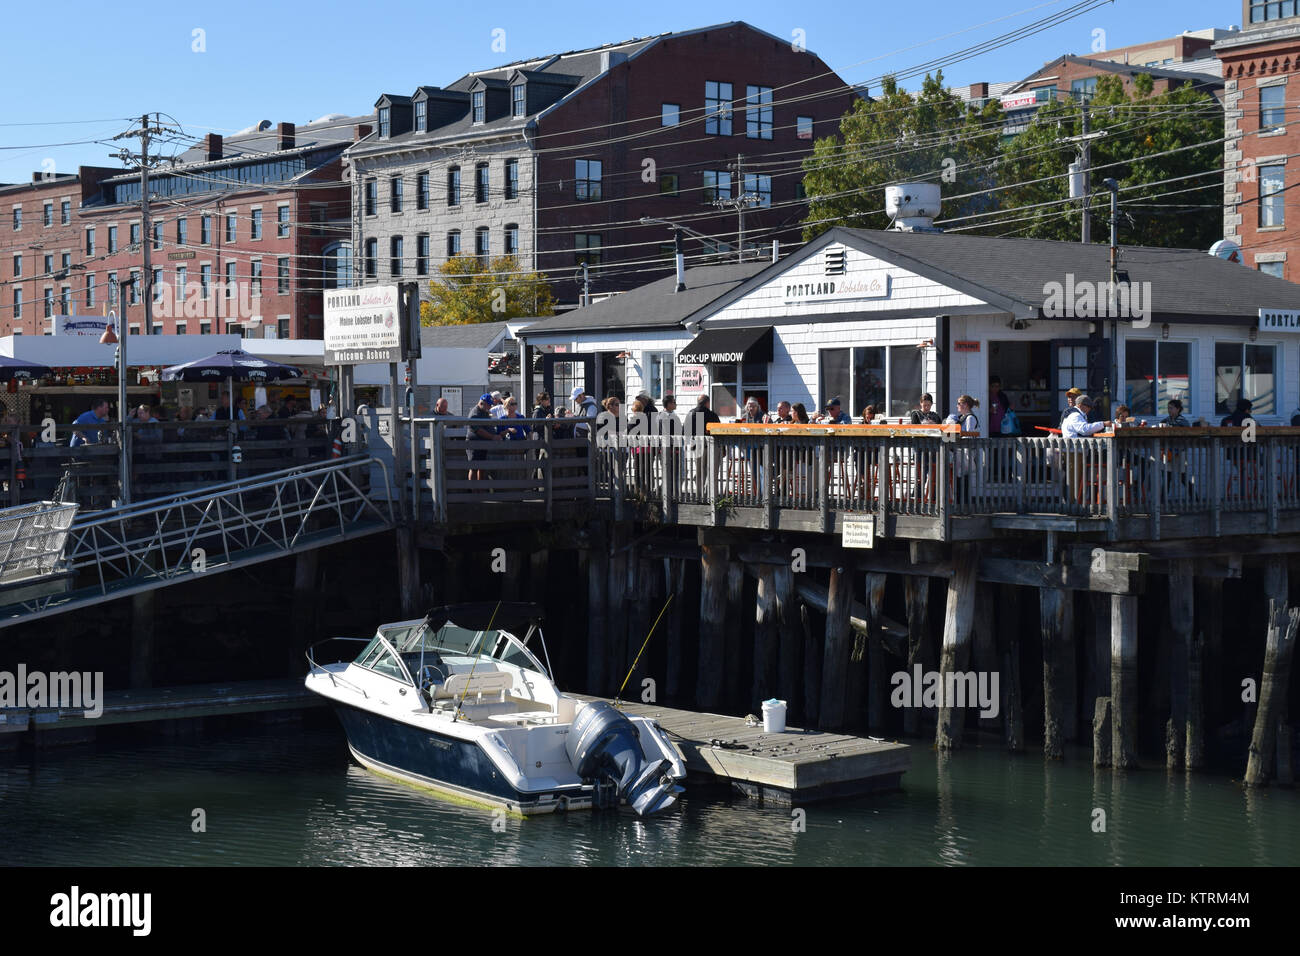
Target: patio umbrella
x=11 y=368
x=231 y=365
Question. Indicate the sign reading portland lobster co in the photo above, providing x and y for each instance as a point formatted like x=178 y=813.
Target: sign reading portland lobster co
x=839 y=287
x=362 y=325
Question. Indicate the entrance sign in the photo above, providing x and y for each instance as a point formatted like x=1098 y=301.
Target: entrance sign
x=1279 y=320
x=858 y=532
x=363 y=325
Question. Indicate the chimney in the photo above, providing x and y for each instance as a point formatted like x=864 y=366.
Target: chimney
x=362 y=131
x=285 y=136
x=212 y=146
x=979 y=90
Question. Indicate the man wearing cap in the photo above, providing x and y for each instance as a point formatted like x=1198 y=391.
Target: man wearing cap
x=481 y=432
x=1070 y=397
x=584 y=407
x=1076 y=425
x=833 y=414
x=498 y=408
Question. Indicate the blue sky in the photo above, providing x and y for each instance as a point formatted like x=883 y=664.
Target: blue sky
x=295 y=61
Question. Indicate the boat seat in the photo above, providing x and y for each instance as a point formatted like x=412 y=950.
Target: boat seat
x=471 y=685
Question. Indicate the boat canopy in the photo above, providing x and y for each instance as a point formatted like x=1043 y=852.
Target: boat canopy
x=502 y=615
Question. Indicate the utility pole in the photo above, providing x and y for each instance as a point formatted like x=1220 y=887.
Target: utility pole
x=742 y=200
x=1081 y=171
x=1112 y=378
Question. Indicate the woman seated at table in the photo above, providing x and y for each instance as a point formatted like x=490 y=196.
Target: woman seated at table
x=1175 y=418
x=926 y=415
x=799 y=413
x=1124 y=416
x=869 y=415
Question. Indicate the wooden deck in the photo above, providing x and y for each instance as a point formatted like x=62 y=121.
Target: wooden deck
x=796 y=767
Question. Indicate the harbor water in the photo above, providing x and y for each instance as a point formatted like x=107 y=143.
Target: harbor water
x=288 y=794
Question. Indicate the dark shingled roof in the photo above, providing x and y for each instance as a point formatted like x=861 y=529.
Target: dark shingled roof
x=477 y=335
x=654 y=305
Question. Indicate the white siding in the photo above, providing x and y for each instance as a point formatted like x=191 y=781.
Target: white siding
x=638 y=343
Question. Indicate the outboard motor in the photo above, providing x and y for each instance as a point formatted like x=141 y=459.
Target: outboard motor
x=603 y=745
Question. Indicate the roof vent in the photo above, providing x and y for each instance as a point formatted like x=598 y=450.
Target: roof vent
x=913 y=207
x=835 y=262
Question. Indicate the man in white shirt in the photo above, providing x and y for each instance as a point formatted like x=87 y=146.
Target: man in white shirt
x=1076 y=424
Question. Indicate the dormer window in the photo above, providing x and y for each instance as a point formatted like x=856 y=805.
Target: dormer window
x=517 y=99
x=480 y=110
x=421 y=116
x=385 y=122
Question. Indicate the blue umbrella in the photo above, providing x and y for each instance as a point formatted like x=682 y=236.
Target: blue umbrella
x=11 y=368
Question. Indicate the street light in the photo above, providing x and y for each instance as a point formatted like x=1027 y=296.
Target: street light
x=119 y=359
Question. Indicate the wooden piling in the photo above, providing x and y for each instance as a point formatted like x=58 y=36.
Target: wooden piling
x=306 y=601
x=1056 y=623
x=143 y=627
x=674 y=641
x=836 y=650
x=408 y=570
x=616 y=610
x=1181 y=588
x=877 y=674
x=1283 y=623
x=1101 y=732
x=917 y=595
x=1097 y=653
x=958 y=619
x=1010 y=686
x=1123 y=680
x=739 y=661
x=790 y=672
x=711 y=672
x=597 y=558
x=812 y=671
x=767 y=636
x=984 y=645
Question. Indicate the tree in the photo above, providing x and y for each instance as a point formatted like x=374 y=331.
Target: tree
x=900 y=138
x=464 y=292
x=1158 y=142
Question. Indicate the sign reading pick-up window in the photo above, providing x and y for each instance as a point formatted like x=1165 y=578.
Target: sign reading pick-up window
x=363 y=325
x=1279 y=320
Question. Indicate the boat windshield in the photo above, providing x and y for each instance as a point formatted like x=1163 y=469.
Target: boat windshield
x=455 y=641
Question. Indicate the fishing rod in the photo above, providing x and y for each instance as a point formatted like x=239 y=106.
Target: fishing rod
x=618 y=696
x=465 y=693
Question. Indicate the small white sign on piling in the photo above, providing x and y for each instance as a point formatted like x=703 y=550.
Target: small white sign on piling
x=858 y=532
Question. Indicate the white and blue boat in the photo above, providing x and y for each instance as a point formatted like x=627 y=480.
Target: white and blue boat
x=458 y=703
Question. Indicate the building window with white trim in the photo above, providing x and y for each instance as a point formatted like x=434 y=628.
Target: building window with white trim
x=586 y=180
x=1154 y=373
x=1245 y=371
x=717 y=108
x=1272 y=209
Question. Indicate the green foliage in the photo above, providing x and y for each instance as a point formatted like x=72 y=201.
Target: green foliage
x=465 y=292
x=898 y=138
x=902 y=137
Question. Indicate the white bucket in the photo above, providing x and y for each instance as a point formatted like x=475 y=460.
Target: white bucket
x=774 y=716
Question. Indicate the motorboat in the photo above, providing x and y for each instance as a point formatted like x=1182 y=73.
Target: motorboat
x=458 y=702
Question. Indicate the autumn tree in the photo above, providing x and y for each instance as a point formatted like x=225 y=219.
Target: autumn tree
x=465 y=292
x=932 y=136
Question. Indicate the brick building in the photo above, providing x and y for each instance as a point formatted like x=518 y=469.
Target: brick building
x=557 y=159
x=245 y=231
x=1260 y=210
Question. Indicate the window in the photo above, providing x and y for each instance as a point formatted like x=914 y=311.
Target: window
x=1272 y=210
x=157 y=285
x=888 y=377
x=319 y=218
x=732 y=383
x=372 y=257
x=90 y=241
x=481 y=182
x=803 y=127
x=180 y=328
x=18 y=218
x=1272 y=106
x=18 y=265
x=1154 y=373
x=395 y=194
x=518 y=99
x=1272 y=269
x=255 y=278
x=512 y=239
x=47 y=214
x=760 y=185
x=1262 y=10
x=134 y=296
x=422 y=254
x=282 y=222
x=660 y=367
x=453 y=243
x=65 y=300
x=421 y=116
x=232 y=226
x=157 y=328
x=512 y=179
x=234 y=328
x=586 y=180
x=800 y=192
x=48 y=261
x=205 y=282
x=134 y=233
x=336 y=270
x=282 y=327
x=232 y=281
x=65 y=261
x=90 y=291
x=112 y=239
x=481 y=244
x=385 y=122
x=257 y=224
x=422 y=191
x=371 y=196
x=395 y=256
x=668 y=184
x=282 y=275
x=157 y=235
x=182 y=231
x=1085 y=88
x=18 y=303
x=181 y=275
x=717 y=108
x=1245 y=371
x=758 y=112
x=205 y=327
x=670 y=114
x=112 y=290
x=65 y=212
x=480 y=113
x=587 y=248
x=205 y=230
x=49 y=301
x=453 y=186
x=717 y=185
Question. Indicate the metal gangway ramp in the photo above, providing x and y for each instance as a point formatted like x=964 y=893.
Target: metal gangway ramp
x=151 y=544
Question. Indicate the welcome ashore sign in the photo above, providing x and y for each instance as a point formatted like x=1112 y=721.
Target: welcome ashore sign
x=362 y=325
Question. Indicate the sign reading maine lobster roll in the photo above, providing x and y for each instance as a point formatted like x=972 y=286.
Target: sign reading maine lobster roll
x=362 y=325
